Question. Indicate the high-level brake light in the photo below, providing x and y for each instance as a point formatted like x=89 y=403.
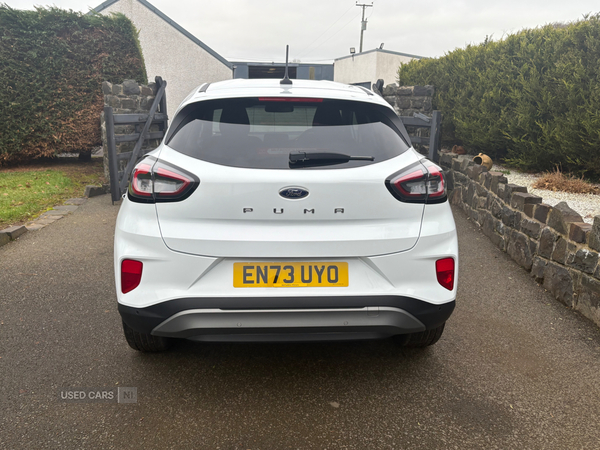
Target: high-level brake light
x=290 y=99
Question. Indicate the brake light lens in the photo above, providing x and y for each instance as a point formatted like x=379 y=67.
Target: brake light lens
x=436 y=187
x=169 y=183
x=157 y=181
x=444 y=269
x=420 y=183
x=412 y=185
x=141 y=182
x=131 y=275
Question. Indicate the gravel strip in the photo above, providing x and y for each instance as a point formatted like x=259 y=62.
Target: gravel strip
x=588 y=205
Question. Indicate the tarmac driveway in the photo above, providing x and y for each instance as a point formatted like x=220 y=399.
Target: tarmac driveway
x=514 y=369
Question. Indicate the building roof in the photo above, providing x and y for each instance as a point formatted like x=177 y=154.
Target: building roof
x=273 y=63
x=382 y=51
x=171 y=22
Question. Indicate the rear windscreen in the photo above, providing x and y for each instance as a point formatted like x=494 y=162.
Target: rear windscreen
x=260 y=133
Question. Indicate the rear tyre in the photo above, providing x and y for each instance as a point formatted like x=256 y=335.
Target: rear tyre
x=420 y=339
x=144 y=342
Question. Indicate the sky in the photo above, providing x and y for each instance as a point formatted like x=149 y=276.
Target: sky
x=322 y=30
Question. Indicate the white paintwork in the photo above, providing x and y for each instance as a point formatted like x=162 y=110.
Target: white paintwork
x=170 y=54
x=212 y=221
x=369 y=67
x=240 y=87
x=172 y=275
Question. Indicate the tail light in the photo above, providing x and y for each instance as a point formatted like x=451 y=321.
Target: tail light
x=131 y=275
x=444 y=269
x=157 y=181
x=419 y=183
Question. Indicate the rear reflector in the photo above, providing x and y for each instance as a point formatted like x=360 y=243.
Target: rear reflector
x=131 y=275
x=445 y=272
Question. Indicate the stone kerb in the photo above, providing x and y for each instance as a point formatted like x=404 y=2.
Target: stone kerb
x=58 y=212
x=559 y=249
x=127 y=98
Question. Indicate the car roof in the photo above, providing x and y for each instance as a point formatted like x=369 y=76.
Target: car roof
x=240 y=87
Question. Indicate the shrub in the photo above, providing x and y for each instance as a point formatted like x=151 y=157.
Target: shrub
x=558 y=181
x=532 y=98
x=53 y=65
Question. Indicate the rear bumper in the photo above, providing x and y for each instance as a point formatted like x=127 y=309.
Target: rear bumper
x=305 y=318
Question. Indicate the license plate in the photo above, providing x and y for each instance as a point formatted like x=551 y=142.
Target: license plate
x=290 y=274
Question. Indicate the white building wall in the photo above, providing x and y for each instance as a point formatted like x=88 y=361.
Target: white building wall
x=170 y=54
x=357 y=69
x=369 y=66
x=387 y=67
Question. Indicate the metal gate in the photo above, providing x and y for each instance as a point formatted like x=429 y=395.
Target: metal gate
x=121 y=164
x=434 y=123
x=419 y=120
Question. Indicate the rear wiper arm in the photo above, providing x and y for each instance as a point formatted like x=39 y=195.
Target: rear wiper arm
x=298 y=158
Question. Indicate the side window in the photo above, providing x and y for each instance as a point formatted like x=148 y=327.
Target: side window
x=216 y=120
x=354 y=123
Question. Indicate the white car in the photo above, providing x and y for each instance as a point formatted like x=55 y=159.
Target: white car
x=285 y=212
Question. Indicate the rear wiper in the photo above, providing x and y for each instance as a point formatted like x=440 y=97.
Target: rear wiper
x=298 y=158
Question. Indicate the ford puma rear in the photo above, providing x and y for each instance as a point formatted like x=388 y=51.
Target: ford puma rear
x=285 y=212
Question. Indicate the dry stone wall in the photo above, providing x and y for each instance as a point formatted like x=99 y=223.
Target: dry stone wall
x=127 y=98
x=408 y=100
x=554 y=244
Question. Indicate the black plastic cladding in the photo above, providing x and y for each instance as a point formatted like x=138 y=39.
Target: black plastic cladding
x=154 y=198
x=146 y=319
x=427 y=200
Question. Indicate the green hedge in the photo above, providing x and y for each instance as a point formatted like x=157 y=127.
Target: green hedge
x=532 y=98
x=52 y=66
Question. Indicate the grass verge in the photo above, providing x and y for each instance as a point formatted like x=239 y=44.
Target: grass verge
x=28 y=191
